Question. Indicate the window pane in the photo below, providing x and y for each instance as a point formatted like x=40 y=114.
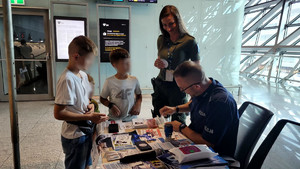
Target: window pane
x=248 y=19
x=251 y=42
x=265 y=35
x=272 y=42
x=274 y=22
x=295 y=10
x=266 y=70
x=287 y=65
x=248 y=62
x=291 y=30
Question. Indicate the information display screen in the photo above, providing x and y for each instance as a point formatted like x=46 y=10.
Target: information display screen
x=114 y=34
x=115 y=0
x=66 y=29
x=143 y=1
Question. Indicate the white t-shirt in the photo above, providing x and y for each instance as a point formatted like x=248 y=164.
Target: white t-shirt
x=73 y=92
x=122 y=94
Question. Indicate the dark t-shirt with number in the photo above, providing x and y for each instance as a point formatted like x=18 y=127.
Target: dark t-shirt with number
x=185 y=48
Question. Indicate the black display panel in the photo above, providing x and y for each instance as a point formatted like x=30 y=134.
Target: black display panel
x=114 y=34
x=114 y=0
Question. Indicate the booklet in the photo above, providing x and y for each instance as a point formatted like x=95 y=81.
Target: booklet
x=122 y=142
x=139 y=123
x=148 y=123
x=156 y=164
x=169 y=160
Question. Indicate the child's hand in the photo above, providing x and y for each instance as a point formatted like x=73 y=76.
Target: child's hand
x=91 y=108
x=115 y=111
x=136 y=109
x=98 y=117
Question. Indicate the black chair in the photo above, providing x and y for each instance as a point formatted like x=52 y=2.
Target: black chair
x=280 y=149
x=253 y=121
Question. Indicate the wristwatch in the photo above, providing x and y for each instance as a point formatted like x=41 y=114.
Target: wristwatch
x=177 y=109
x=110 y=105
x=182 y=126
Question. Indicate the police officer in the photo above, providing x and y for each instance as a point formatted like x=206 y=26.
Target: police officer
x=214 y=114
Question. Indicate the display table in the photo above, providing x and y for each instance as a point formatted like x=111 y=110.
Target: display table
x=120 y=144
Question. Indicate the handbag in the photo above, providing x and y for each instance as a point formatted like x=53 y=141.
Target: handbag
x=86 y=126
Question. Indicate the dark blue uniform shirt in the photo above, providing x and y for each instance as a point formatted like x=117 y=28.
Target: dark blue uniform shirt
x=214 y=115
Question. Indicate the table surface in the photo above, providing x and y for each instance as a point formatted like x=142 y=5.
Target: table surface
x=105 y=131
x=104 y=160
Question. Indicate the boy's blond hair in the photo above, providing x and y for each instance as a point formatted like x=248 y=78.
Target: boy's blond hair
x=82 y=45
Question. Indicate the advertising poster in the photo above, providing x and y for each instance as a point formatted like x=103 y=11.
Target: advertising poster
x=114 y=34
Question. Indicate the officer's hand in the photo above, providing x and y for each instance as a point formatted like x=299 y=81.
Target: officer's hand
x=165 y=111
x=175 y=125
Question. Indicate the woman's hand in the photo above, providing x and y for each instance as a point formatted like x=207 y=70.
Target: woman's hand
x=159 y=63
x=165 y=111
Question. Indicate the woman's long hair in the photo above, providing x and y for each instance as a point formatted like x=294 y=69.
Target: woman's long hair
x=171 y=10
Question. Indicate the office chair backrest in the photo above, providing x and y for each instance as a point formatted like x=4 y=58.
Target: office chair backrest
x=253 y=121
x=280 y=149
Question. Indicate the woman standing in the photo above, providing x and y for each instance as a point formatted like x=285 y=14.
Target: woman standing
x=174 y=46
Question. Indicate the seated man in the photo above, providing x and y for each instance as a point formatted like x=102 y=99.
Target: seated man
x=214 y=114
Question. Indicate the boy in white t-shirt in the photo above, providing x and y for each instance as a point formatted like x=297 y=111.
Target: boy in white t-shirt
x=121 y=93
x=73 y=107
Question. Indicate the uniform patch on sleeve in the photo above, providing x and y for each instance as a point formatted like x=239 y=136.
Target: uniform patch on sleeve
x=202 y=113
x=208 y=130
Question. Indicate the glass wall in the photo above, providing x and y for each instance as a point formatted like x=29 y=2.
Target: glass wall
x=271 y=39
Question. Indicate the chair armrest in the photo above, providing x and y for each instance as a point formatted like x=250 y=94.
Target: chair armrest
x=232 y=163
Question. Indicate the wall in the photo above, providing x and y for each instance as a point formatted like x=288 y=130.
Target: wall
x=216 y=25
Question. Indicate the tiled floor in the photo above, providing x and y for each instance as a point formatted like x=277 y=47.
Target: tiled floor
x=40 y=145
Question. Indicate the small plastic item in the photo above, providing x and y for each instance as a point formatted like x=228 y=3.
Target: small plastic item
x=143 y=146
x=168 y=131
x=113 y=128
x=192 y=153
x=166 y=64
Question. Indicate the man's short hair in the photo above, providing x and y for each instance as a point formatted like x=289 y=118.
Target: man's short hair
x=118 y=54
x=190 y=69
x=82 y=45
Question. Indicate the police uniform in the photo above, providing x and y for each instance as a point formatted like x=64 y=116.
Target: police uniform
x=214 y=115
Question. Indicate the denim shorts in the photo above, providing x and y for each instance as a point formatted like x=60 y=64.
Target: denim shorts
x=77 y=152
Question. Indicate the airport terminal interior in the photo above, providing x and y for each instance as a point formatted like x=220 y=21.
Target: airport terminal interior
x=252 y=47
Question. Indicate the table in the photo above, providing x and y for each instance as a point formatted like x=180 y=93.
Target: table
x=156 y=132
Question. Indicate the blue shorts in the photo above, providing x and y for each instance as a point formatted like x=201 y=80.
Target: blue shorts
x=77 y=152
